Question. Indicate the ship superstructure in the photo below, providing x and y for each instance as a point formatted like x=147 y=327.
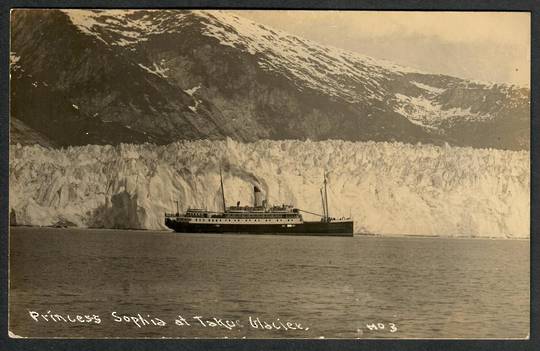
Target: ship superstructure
x=260 y=218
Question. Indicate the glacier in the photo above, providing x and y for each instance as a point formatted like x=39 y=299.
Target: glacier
x=389 y=188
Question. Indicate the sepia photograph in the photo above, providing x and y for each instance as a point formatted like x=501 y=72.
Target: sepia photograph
x=269 y=174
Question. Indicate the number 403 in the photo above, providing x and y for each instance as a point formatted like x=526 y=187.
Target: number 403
x=391 y=327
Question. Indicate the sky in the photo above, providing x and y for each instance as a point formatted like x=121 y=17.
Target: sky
x=485 y=46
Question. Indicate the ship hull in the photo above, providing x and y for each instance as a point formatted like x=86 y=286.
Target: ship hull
x=342 y=228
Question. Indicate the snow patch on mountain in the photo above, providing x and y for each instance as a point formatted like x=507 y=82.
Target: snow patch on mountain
x=428 y=88
x=193 y=90
x=85 y=21
x=389 y=188
x=156 y=69
x=236 y=31
x=128 y=26
x=428 y=113
x=301 y=60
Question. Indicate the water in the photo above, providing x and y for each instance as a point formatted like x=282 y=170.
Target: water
x=332 y=287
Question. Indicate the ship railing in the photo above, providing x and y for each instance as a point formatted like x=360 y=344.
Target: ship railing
x=334 y=219
x=172 y=214
x=200 y=210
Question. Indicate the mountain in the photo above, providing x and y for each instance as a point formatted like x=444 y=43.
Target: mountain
x=113 y=76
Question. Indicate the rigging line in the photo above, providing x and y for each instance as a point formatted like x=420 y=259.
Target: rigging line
x=222 y=190
x=313 y=213
x=322 y=199
x=326 y=212
x=335 y=196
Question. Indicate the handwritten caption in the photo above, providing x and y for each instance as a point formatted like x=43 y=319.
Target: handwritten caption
x=196 y=321
x=140 y=321
x=390 y=327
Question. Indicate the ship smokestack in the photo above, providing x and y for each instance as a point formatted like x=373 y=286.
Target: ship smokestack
x=258 y=196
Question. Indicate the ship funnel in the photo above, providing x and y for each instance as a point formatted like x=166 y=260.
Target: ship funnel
x=258 y=196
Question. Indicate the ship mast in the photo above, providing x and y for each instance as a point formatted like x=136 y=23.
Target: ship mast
x=222 y=190
x=323 y=207
x=327 y=213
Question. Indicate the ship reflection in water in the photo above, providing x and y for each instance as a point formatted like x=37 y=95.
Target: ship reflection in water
x=259 y=219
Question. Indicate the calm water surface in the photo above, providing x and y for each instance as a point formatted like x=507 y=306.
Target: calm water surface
x=333 y=287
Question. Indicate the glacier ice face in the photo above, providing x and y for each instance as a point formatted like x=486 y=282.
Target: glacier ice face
x=388 y=188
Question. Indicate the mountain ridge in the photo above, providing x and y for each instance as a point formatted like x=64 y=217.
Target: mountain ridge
x=208 y=74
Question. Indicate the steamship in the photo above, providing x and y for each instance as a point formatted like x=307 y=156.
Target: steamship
x=259 y=219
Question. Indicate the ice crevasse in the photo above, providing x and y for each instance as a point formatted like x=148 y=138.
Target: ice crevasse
x=388 y=188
